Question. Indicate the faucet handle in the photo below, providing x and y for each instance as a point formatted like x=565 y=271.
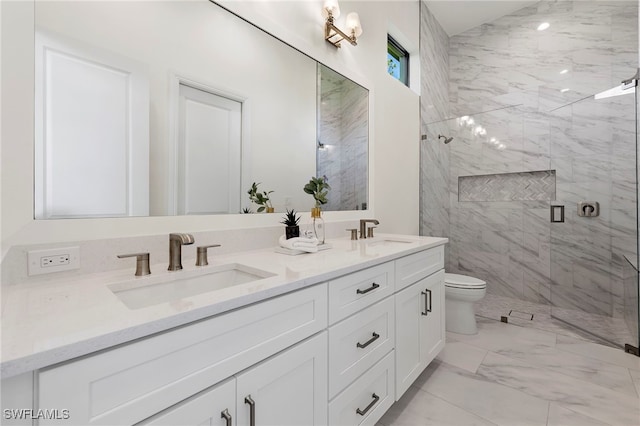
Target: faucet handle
x=142 y=263
x=370 y=231
x=354 y=233
x=201 y=259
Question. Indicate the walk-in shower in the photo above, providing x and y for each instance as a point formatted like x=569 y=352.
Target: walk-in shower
x=538 y=195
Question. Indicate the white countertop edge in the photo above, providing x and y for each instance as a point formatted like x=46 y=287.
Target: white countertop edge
x=50 y=357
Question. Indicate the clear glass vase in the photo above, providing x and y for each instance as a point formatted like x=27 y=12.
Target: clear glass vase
x=318 y=224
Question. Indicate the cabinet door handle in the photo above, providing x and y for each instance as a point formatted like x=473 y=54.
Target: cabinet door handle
x=376 y=398
x=225 y=415
x=367 y=290
x=427 y=302
x=375 y=337
x=252 y=410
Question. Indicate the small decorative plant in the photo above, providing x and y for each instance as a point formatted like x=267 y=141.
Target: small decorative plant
x=260 y=198
x=291 y=220
x=247 y=210
x=319 y=188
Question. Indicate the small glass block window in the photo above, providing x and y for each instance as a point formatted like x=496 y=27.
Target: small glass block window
x=397 y=61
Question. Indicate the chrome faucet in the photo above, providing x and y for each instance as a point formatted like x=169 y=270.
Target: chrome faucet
x=363 y=226
x=176 y=241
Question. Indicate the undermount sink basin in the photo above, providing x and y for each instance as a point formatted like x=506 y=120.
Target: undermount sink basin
x=387 y=242
x=136 y=294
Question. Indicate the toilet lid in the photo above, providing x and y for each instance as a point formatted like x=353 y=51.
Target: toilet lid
x=463 y=281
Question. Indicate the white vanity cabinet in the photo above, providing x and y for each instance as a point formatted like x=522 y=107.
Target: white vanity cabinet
x=286 y=390
x=335 y=353
x=420 y=328
x=130 y=383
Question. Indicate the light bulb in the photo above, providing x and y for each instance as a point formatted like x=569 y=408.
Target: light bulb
x=353 y=24
x=331 y=6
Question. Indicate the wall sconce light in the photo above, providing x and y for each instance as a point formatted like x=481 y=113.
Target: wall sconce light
x=320 y=145
x=333 y=34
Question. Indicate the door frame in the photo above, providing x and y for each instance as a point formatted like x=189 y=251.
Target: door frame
x=175 y=80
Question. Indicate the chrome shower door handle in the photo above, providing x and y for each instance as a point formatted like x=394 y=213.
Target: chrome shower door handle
x=227 y=417
x=252 y=410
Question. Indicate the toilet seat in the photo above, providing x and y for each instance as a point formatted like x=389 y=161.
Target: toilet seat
x=463 y=281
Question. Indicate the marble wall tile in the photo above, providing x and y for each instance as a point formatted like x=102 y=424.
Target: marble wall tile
x=590 y=145
x=434 y=107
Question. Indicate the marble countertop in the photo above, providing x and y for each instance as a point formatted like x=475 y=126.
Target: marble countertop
x=47 y=323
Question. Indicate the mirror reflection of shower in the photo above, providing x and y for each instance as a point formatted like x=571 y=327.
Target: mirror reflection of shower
x=446 y=139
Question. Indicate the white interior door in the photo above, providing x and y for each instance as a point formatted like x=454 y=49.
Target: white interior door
x=209 y=153
x=91 y=131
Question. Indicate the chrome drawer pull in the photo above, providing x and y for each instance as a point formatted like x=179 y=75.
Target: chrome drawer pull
x=376 y=398
x=252 y=410
x=375 y=337
x=373 y=287
x=225 y=415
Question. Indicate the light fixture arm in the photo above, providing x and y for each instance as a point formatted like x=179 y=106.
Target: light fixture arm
x=331 y=32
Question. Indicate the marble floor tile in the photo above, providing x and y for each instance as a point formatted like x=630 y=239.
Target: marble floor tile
x=495 y=306
x=539 y=348
x=561 y=416
x=417 y=407
x=635 y=376
x=462 y=355
x=581 y=396
x=497 y=336
x=603 y=353
x=488 y=399
x=526 y=376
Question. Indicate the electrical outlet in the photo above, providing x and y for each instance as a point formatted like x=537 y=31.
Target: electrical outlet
x=53 y=260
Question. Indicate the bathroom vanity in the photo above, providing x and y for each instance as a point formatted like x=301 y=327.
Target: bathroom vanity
x=329 y=338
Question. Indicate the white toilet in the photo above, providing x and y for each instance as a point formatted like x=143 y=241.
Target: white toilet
x=461 y=292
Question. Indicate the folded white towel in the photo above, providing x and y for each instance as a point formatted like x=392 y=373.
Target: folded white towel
x=309 y=245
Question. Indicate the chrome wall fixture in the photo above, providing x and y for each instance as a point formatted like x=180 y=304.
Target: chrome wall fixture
x=333 y=34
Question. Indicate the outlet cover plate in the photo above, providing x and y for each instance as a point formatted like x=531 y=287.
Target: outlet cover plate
x=53 y=260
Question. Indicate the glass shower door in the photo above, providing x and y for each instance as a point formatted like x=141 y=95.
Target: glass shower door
x=594 y=248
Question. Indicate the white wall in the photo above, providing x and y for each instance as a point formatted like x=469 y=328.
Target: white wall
x=394 y=132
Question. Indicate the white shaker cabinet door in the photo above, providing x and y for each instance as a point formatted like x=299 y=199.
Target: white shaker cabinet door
x=289 y=389
x=213 y=407
x=420 y=333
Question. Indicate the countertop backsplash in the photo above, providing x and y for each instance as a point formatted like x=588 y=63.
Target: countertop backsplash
x=100 y=255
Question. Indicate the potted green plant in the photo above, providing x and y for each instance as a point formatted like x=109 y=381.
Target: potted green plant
x=319 y=188
x=260 y=198
x=291 y=220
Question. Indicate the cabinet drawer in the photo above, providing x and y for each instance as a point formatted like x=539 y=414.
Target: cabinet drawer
x=358 y=342
x=417 y=266
x=354 y=292
x=357 y=405
x=130 y=383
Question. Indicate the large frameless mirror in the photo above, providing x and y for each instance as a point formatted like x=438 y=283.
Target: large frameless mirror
x=152 y=109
